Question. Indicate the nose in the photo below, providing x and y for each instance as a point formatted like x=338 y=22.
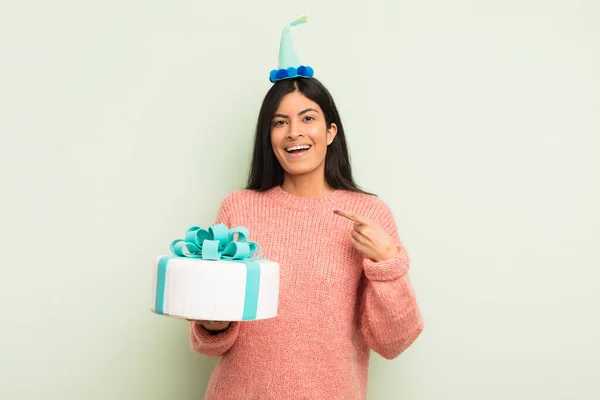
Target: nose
x=294 y=131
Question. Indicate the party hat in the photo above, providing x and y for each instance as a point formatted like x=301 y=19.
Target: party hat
x=289 y=63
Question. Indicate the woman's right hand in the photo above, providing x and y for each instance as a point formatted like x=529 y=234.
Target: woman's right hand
x=213 y=326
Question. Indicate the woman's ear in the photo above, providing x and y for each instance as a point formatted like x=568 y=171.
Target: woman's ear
x=331 y=132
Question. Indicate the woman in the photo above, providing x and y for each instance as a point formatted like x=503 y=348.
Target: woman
x=344 y=287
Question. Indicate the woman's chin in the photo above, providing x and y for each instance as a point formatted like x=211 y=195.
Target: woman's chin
x=299 y=170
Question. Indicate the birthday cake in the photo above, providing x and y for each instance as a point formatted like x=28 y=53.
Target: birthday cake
x=215 y=274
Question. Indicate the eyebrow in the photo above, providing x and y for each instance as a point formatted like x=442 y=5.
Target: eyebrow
x=300 y=113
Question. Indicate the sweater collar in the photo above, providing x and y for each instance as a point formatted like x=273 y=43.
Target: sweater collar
x=328 y=202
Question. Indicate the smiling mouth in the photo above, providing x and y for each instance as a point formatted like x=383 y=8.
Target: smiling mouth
x=297 y=149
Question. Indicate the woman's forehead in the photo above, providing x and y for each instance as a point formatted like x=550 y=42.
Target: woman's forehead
x=296 y=102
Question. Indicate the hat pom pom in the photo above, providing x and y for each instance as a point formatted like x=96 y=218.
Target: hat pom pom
x=282 y=73
x=306 y=71
x=273 y=75
x=291 y=72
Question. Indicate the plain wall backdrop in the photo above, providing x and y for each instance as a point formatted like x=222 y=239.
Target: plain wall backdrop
x=123 y=123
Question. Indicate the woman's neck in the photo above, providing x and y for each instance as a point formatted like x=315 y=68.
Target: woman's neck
x=306 y=186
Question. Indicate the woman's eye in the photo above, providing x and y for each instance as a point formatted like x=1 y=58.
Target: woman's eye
x=309 y=118
x=278 y=123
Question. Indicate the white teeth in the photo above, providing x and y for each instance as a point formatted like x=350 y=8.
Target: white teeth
x=301 y=147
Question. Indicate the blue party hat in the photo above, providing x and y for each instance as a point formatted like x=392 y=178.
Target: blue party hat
x=289 y=63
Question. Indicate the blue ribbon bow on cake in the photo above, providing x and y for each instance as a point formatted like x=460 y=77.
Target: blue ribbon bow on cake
x=216 y=243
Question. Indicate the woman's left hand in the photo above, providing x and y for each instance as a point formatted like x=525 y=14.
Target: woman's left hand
x=369 y=238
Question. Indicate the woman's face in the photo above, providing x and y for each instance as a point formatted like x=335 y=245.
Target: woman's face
x=300 y=136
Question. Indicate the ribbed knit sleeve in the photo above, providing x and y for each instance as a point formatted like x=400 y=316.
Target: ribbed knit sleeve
x=390 y=318
x=213 y=344
x=203 y=341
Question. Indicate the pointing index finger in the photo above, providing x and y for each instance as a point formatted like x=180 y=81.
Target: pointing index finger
x=352 y=216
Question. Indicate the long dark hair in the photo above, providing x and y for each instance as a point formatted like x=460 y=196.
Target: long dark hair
x=266 y=172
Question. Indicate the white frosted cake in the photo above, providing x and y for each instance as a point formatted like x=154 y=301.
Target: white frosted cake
x=214 y=275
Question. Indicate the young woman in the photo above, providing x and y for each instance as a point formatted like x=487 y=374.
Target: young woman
x=344 y=287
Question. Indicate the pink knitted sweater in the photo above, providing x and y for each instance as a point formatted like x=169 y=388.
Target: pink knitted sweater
x=335 y=305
